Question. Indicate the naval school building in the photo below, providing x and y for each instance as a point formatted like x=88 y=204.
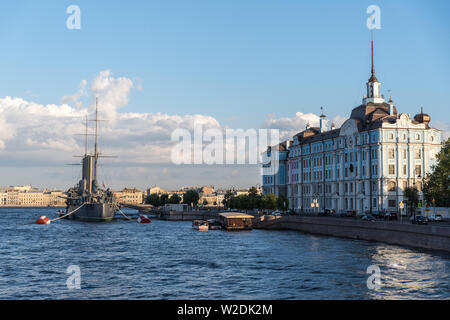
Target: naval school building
x=362 y=166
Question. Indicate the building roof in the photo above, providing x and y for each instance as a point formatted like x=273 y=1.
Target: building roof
x=236 y=215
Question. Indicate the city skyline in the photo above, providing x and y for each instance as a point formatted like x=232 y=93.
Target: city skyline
x=194 y=65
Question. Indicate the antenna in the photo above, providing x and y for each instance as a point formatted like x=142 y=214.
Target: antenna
x=86 y=138
x=96 y=127
x=373 y=66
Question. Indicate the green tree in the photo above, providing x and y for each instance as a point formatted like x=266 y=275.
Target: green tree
x=436 y=187
x=269 y=201
x=226 y=199
x=163 y=199
x=153 y=199
x=174 y=199
x=254 y=198
x=412 y=198
x=282 y=202
x=191 y=197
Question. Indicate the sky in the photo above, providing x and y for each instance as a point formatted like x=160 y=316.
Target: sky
x=161 y=65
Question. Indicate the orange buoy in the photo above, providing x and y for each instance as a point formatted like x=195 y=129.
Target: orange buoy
x=43 y=220
x=143 y=219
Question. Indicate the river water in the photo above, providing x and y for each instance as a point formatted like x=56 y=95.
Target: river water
x=169 y=260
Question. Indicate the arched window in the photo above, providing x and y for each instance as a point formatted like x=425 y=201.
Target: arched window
x=391 y=186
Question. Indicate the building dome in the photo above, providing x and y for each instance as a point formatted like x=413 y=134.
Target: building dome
x=422 y=118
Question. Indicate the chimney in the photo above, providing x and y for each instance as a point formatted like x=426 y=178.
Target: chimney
x=323 y=119
x=391 y=108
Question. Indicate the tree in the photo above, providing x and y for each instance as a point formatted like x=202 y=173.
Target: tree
x=163 y=199
x=175 y=199
x=153 y=199
x=226 y=199
x=254 y=198
x=412 y=198
x=282 y=202
x=191 y=197
x=436 y=186
x=269 y=201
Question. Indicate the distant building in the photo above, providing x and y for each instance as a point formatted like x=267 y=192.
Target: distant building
x=129 y=195
x=155 y=189
x=26 y=196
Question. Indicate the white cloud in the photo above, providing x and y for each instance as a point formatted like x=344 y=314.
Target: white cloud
x=289 y=126
x=33 y=133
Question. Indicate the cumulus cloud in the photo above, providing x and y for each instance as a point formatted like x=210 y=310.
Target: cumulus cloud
x=34 y=135
x=32 y=132
x=289 y=126
x=113 y=92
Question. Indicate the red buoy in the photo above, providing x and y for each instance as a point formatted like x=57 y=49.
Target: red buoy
x=43 y=220
x=143 y=219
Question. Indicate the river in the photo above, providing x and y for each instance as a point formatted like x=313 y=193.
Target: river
x=169 y=260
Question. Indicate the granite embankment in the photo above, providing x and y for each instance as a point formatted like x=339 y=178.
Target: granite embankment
x=431 y=236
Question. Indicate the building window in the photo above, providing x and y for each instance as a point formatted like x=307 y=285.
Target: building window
x=418 y=154
x=418 y=170
x=391 y=186
x=404 y=170
x=417 y=136
x=391 y=154
x=419 y=186
x=391 y=169
x=431 y=138
x=392 y=204
x=391 y=136
x=404 y=154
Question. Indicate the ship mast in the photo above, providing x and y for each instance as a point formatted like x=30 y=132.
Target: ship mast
x=96 y=136
x=86 y=138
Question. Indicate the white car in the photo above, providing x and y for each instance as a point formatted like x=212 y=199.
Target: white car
x=436 y=217
x=276 y=213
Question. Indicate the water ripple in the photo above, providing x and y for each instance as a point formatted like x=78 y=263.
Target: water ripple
x=168 y=260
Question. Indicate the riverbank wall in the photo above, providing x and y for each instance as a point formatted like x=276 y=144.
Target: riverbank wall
x=432 y=237
x=188 y=215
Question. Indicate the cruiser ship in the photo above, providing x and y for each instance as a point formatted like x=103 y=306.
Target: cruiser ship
x=87 y=201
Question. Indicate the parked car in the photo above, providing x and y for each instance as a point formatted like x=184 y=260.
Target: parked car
x=276 y=213
x=350 y=213
x=368 y=217
x=291 y=212
x=419 y=220
x=378 y=214
x=390 y=216
x=435 y=218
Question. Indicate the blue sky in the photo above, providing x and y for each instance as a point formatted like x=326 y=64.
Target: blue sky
x=236 y=61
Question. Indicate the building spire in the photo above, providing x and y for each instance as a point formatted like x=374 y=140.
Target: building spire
x=372 y=78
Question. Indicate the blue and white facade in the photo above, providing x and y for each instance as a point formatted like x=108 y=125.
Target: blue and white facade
x=363 y=166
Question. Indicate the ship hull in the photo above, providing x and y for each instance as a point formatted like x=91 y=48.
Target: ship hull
x=94 y=212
